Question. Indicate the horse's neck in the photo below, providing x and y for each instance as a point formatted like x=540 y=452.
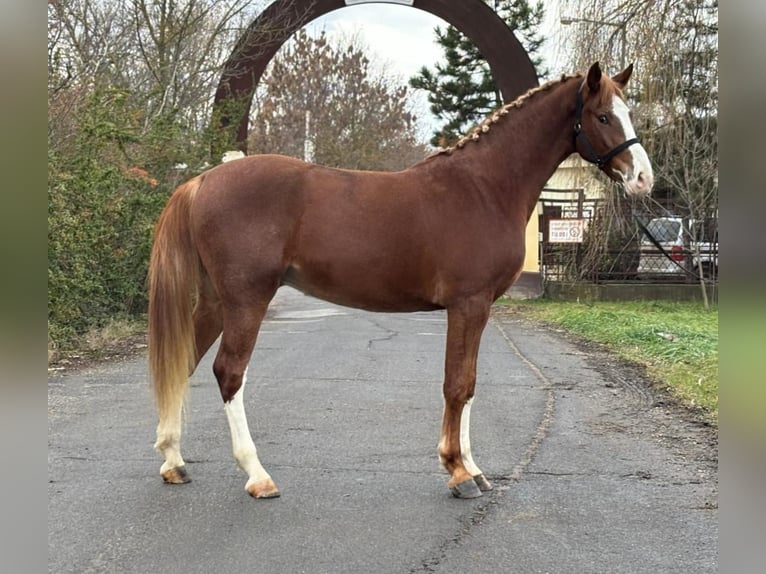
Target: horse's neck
x=523 y=149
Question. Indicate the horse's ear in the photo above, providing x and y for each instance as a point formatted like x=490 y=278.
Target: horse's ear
x=622 y=78
x=594 y=77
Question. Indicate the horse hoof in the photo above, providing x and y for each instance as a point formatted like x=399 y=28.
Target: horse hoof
x=177 y=475
x=262 y=489
x=482 y=482
x=467 y=489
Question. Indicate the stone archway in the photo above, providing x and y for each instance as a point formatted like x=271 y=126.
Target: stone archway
x=510 y=64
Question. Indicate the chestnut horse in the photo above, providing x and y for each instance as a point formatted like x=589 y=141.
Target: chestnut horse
x=446 y=233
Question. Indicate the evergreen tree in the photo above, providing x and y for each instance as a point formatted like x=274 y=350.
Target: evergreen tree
x=462 y=90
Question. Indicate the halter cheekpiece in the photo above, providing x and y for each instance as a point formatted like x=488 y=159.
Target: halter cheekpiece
x=592 y=156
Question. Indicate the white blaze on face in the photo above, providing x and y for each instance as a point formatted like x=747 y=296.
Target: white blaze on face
x=640 y=181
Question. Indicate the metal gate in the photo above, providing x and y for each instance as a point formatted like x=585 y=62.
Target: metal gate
x=594 y=240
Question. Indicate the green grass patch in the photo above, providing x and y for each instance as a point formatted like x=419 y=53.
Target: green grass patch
x=677 y=342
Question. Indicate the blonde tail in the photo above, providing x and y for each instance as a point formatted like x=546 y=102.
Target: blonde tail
x=174 y=274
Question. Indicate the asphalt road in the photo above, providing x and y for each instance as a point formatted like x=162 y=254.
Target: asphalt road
x=593 y=474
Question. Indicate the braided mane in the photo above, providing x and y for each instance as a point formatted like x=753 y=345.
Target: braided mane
x=495 y=117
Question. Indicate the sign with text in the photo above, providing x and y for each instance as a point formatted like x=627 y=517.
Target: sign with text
x=566 y=230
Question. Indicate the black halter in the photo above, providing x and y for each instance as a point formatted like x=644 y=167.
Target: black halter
x=592 y=156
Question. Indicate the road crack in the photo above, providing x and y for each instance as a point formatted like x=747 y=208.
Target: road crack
x=390 y=334
x=502 y=483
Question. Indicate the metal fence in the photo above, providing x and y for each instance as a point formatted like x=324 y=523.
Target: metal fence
x=592 y=241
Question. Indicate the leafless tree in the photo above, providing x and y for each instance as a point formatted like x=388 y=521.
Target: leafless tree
x=674 y=92
x=166 y=54
x=328 y=93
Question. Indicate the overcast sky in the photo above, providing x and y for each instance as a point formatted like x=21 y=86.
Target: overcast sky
x=400 y=39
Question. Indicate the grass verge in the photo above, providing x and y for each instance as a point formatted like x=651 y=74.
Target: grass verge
x=677 y=342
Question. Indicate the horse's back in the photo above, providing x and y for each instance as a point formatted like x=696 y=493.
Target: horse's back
x=385 y=241
x=348 y=236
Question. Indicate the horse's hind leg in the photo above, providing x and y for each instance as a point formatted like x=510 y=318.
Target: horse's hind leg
x=208 y=319
x=465 y=324
x=207 y=328
x=241 y=325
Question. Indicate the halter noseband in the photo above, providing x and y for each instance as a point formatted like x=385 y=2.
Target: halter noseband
x=593 y=157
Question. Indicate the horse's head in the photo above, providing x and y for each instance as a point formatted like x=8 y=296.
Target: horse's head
x=604 y=133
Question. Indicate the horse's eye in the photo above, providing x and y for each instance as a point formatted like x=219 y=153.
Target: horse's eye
x=603 y=119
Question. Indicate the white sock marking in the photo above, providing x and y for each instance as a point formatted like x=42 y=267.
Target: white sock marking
x=241 y=440
x=169 y=442
x=465 y=440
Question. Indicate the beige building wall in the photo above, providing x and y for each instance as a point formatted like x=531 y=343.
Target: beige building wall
x=532 y=257
x=574 y=173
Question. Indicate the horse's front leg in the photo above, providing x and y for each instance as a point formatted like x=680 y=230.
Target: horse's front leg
x=465 y=324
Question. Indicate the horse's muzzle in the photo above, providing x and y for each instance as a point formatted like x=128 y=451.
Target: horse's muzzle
x=640 y=185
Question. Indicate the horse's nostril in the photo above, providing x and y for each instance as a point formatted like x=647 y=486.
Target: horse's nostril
x=644 y=180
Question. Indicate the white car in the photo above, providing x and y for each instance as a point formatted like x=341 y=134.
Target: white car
x=677 y=243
